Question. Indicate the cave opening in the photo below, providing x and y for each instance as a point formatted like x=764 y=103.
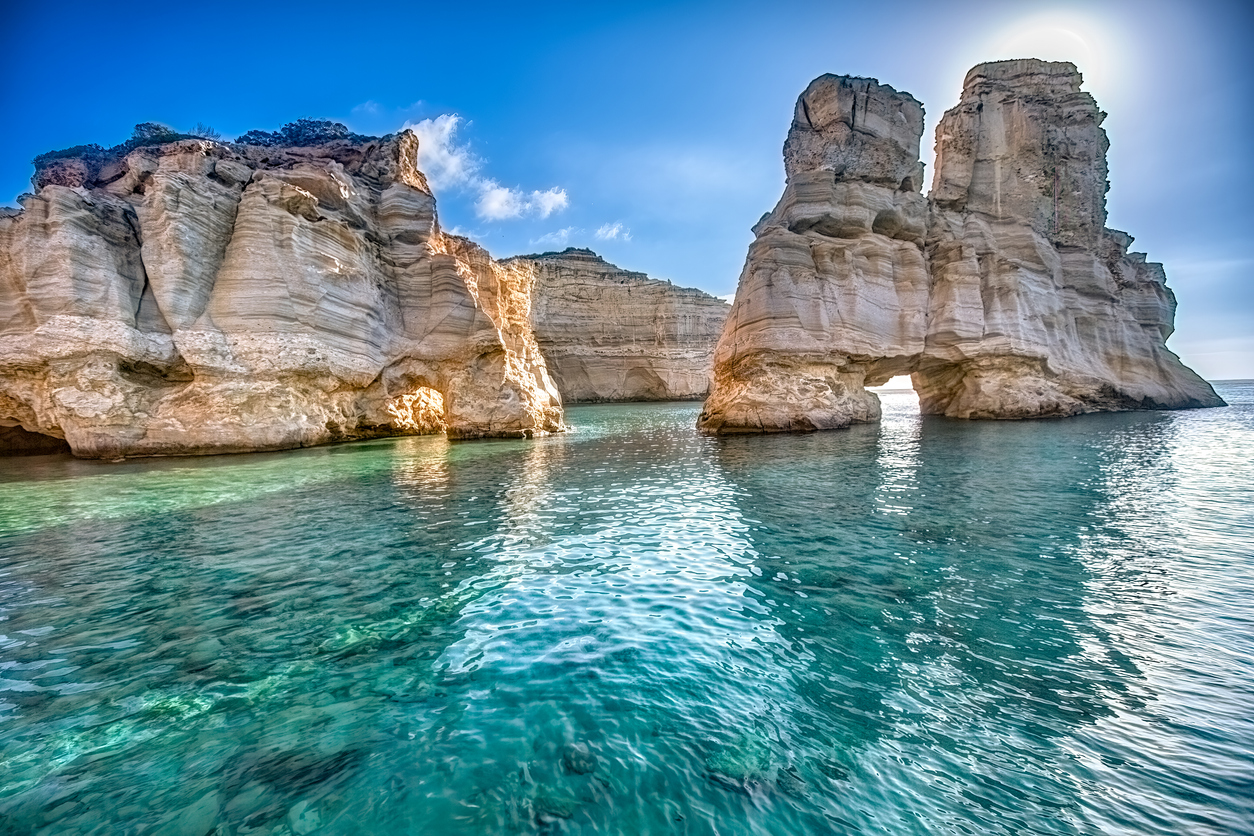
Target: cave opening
x=420 y=412
x=898 y=393
x=18 y=441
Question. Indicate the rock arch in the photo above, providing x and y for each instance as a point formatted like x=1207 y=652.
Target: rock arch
x=1000 y=294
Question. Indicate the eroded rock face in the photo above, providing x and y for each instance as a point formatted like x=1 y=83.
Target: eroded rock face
x=1003 y=293
x=1037 y=309
x=609 y=334
x=196 y=297
x=833 y=296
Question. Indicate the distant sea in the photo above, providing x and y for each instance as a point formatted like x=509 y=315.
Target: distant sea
x=927 y=626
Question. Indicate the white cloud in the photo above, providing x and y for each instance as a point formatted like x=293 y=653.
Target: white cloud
x=560 y=238
x=446 y=164
x=497 y=202
x=451 y=165
x=546 y=203
x=462 y=233
x=614 y=232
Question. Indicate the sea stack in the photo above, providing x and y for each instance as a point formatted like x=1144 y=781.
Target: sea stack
x=1003 y=294
x=833 y=296
x=194 y=297
x=609 y=334
x=1037 y=309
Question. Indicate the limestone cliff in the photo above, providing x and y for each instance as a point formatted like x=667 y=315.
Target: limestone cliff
x=833 y=296
x=1036 y=307
x=1003 y=293
x=200 y=297
x=608 y=334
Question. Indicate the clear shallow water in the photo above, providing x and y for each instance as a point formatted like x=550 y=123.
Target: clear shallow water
x=927 y=626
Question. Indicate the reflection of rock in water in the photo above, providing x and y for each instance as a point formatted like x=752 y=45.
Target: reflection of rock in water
x=931 y=572
x=567 y=696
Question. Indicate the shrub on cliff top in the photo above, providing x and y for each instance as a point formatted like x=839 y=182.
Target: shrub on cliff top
x=205 y=132
x=302 y=132
x=145 y=133
x=74 y=151
x=151 y=133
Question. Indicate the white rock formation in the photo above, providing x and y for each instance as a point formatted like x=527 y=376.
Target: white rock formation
x=833 y=296
x=608 y=334
x=195 y=297
x=1003 y=294
x=1036 y=307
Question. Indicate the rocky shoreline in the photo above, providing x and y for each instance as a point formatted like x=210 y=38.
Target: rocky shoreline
x=181 y=295
x=193 y=296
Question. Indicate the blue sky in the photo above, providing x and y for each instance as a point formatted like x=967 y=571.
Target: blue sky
x=652 y=132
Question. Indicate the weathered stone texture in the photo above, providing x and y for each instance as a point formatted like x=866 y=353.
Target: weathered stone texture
x=1003 y=293
x=833 y=296
x=609 y=334
x=196 y=297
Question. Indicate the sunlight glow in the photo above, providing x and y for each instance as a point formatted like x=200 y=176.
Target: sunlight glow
x=899 y=383
x=1083 y=40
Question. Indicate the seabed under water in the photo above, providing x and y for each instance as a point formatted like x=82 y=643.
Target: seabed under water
x=922 y=627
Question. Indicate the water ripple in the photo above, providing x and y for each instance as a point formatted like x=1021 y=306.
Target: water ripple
x=925 y=626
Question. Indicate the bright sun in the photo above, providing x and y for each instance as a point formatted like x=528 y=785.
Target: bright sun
x=1078 y=39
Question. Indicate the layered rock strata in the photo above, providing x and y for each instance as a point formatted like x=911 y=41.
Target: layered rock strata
x=1038 y=309
x=198 y=297
x=833 y=296
x=1003 y=294
x=608 y=334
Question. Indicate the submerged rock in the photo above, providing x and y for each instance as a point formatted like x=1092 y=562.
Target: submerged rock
x=1003 y=294
x=739 y=765
x=578 y=760
x=550 y=802
x=790 y=782
x=199 y=297
x=609 y=334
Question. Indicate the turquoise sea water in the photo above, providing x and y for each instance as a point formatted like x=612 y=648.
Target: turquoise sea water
x=927 y=626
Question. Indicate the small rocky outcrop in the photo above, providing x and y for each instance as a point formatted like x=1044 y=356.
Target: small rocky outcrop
x=608 y=334
x=1003 y=294
x=200 y=297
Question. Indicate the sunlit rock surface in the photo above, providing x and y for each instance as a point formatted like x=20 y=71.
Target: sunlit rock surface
x=196 y=297
x=1003 y=293
x=833 y=296
x=1036 y=307
x=609 y=334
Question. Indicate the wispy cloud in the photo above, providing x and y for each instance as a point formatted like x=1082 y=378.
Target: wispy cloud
x=450 y=164
x=370 y=108
x=463 y=233
x=558 y=238
x=613 y=232
x=447 y=164
x=548 y=202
